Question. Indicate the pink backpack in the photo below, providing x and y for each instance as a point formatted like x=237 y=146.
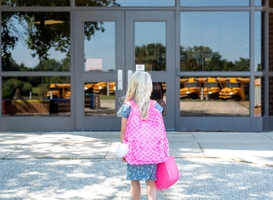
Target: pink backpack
x=146 y=139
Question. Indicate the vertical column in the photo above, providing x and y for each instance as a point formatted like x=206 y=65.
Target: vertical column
x=270 y=49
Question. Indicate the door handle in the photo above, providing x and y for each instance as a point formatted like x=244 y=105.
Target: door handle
x=130 y=73
x=120 y=79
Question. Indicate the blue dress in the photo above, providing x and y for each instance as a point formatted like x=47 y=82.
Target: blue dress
x=138 y=172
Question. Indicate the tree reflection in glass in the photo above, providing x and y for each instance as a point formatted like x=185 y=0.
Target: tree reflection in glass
x=35 y=41
x=150 y=45
x=24 y=3
x=215 y=41
x=32 y=96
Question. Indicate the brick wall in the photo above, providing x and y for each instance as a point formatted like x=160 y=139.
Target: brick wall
x=262 y=64
x=271 y=59
x=271 y=96
x=271 y=41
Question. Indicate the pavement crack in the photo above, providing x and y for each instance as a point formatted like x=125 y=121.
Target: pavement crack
x=108 y=150
x=7 y=155
x=198 y=143
x=268 y=136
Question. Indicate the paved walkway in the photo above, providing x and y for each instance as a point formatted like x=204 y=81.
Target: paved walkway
x=83 y=165
x=248 y=147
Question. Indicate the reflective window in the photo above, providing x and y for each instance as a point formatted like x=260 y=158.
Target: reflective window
x=111 y=3
x=214 y=41
x=270 y=35
x=258 y=46
x=259 y=2
x=35 y=41
x=270 y=96
x=150 y=46
x=19 y=3
x=214 y=3
x=32 y=96
x=159 y=94
x=99 y=46
x=214 y=96
x=257 y=96
x=99 y=99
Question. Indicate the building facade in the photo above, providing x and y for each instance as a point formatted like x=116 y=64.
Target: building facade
x=65 y=64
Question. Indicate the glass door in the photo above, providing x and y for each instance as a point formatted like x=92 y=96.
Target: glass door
x=109 y=47
x=99 y=57
x=150 y=47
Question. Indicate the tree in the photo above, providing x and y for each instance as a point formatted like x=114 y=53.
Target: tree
x=27 y=87
x=42 y=89
x=10 y=86
x=43 y=30
x=227 y=65
x=216 y=62
x=193 y=58
x=14 y=3
x=202 y=58
x=48 y=65
x=8 y=64
x=153 y=55
x=9 y=34
x=241 y=65
x=102 y=3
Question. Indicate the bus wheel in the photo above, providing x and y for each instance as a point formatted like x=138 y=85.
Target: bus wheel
x=237 y=98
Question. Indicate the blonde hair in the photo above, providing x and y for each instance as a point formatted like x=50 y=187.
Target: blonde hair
x=139 y=89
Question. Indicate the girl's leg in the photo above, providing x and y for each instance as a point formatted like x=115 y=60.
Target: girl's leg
x=135 y=190
x=151 y=190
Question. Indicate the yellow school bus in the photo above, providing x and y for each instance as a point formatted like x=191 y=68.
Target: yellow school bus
x=59 y=90
x=211 y=88
x=234 y=88
x=88 y=88
x=190 y=88
x=101 y=87
x=63 y=90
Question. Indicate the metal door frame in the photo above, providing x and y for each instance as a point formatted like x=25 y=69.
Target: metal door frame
x=167 y=76
x=95 y=122
x=124 y=61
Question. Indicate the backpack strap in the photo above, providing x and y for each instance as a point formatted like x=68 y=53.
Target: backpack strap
x=152 y=103
x=133 y=104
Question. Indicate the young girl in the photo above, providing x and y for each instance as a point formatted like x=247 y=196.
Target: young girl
x=139 y=90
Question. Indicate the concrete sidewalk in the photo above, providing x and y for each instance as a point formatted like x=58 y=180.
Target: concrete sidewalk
x=83 y=165
x=241 y=146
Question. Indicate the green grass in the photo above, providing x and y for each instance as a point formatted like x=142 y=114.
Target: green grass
x=199 y=100
x=35 y=90
x=105 y=97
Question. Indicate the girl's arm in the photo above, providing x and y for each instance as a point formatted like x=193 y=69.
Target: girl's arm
x=122 y=129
